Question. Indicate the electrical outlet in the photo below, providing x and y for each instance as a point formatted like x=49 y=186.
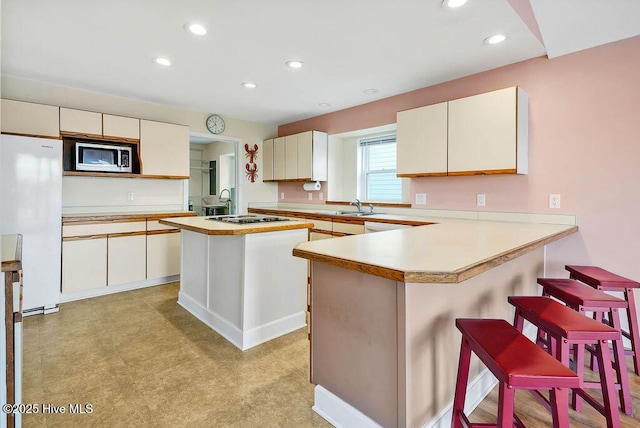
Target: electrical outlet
x=320 y=196
x=421 y=199
x=281 y=195
x=311 y=196
x=481 y=199
x=129 y=196
x=554 y=201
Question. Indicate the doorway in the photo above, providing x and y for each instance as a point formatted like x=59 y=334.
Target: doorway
x=213 y=179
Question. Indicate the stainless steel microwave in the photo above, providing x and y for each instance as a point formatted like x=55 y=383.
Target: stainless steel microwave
x=102 y=157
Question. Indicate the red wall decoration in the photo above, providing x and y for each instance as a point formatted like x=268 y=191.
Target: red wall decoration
x=251 y=168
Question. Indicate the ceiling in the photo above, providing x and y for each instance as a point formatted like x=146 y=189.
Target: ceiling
x=347 y=46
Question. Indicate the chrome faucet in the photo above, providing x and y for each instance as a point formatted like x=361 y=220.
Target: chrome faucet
x=228 y=201
x=357 y=203
x=370 y=208
x=222 y=191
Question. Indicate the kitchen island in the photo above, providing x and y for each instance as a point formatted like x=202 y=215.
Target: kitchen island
x=384 y=343
x=241 y=279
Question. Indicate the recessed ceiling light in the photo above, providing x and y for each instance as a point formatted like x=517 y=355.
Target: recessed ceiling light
x=453 y=3
x=324 y=105
x=370 y=91
x=249 y=85
x=162 y=61
x=197 y=29
x=495 y=39
x=294 y=64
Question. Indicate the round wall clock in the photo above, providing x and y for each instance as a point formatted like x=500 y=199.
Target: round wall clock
x=215 y=124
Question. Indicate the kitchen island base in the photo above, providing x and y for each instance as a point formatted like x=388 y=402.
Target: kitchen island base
x=248 y=288
x=388 y=349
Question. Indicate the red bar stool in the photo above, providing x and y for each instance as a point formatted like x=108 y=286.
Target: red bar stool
x=517 y=363
x=582 y=298
x=606 y=281
x=566 y=328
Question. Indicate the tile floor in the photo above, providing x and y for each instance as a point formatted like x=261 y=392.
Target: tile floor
x=143 y=361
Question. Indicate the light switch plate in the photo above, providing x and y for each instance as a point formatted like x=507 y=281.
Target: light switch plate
x=481 y=199
x=281 y=195
x=554 y=201
x=129 y=196
x=311 y=196
x=421 y=199
x=320 y=196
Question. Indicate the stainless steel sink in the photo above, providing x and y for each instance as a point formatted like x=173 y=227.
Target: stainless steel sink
x=355 y=213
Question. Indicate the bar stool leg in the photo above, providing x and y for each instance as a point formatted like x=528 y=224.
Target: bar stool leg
x=620 y=366
x=576 y=400
x=461 y=384
x=607 y=382
x=506 y=403
x=559 y=399
x=633 y=328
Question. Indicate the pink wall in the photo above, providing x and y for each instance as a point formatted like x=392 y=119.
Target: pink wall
x=584 y=143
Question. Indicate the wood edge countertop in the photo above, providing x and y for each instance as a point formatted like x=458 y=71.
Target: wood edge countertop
x=209 y=227
x=92 y=218
x=413 y=275
x=377 y=217
x=11 y=253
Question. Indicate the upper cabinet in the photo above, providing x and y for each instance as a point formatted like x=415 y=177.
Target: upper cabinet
x=488 y=133
x=421 y=141
x=299 y=157
x=164 y=149
x=481 y=134
x=39 y=120
x=97 y=125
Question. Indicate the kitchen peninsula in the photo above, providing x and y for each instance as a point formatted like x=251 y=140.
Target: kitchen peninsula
x=241 y=278
x=384 y=343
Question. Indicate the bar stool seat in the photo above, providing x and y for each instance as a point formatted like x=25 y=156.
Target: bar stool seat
x=566 y=328
x=517 y=363
x=604 y=280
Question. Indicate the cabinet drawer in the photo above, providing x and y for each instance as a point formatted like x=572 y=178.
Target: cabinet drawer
x=80 y=122
x=352 y=229
x=322 y=225
x=103 y=228
x=316 y=236
x=19 y=117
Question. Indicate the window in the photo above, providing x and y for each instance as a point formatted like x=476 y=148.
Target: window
x=378 y=172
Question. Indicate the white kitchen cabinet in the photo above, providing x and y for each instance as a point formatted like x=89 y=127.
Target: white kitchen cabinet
x=120 y=127
x=127 y=258
x=164 y=149
x=488 y=133
x=291 y=157
x=267 y=160
x=163 y=254
x=80 y=122
x=84 y=264
x=39 y=120
x=421 y=141
x=278 y=159
x=301 y=157
x=348 y=228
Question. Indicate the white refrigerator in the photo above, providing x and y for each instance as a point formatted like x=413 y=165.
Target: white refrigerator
x=31 y=205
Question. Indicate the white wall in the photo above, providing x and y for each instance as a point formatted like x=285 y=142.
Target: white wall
x=151 y=193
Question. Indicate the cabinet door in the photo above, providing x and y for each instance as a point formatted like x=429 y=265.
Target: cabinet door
x=164 y=149
x=291 y=156
x=421 y=142
x=163 y=255
x=127 y=128
x=278 y=159
x=482 y=133
x=127 y=258
x=84 y=264
x=305 y=155
x=80 y=122
x=267 y=160
x=23 y=118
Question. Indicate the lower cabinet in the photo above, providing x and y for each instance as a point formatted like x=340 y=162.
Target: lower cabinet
x=84 y=264
x=127 y=258
x=163 y=254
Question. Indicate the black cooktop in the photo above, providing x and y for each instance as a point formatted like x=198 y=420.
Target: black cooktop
x=246 y=219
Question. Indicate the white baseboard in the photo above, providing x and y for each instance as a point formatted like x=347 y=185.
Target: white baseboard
x=111 y=289
x=247 y=339
x=339 y=413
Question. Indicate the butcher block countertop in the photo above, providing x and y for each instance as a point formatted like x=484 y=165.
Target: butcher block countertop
x=448 y=252
x=122 y=216
x=212 y=227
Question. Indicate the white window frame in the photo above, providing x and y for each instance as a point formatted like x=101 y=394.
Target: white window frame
x=363 y=167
